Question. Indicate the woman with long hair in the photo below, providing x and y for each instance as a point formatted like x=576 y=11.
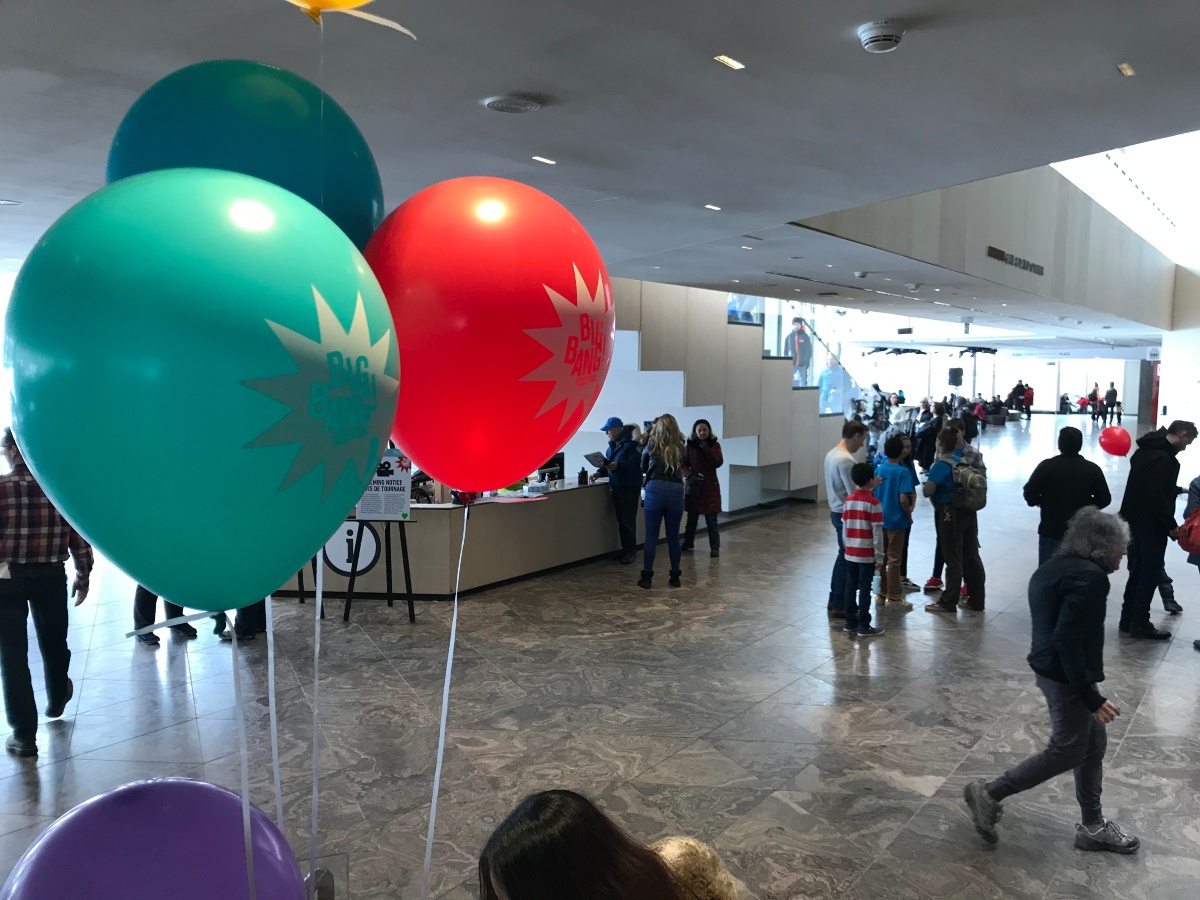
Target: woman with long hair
x=662 y=464
x=558 y=845
x=702 y=494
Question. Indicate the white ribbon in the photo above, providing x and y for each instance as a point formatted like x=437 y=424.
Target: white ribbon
x=441 y=749
x=241 y=723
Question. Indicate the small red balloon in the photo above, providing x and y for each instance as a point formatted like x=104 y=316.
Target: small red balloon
x=1115 y=440
x=505 y=324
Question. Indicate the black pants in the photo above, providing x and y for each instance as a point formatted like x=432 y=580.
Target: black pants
x=251 y=619
x=1077 y=742
x=145 y=605
x=710 y=522
x=625 y=504
x=41 y=589
x=1147 y=555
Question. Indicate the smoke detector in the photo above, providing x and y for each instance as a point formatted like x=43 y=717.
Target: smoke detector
x=882 y=36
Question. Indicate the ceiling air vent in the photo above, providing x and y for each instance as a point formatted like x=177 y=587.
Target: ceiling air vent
x=512 y=103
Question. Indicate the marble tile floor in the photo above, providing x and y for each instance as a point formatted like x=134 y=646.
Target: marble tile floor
x=818 y=765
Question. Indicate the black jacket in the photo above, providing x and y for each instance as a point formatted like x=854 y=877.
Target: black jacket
x=1067 y=598
x=1110 y=398
x=1150 y=491
x=656 y=469
x=1063 y=485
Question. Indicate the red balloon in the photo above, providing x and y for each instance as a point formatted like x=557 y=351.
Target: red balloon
x=1115 y=440
x=505 y=324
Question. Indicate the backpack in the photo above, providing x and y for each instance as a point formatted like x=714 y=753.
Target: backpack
x=1189 y=533
x=970 y=484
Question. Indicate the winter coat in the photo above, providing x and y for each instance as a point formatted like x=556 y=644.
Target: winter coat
x=697 y=869
x=1150 y=491
x=926 y=441
x=1062 y=485
x=626 y=453
x=704 y=458
x=1067 y=598
x=656 y=469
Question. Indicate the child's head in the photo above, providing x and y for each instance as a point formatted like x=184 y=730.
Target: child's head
x=893 y=447
x=862 y=474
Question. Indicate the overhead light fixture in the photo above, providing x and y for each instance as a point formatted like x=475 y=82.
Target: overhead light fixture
x=1126 y=69
x=735 y=281
x=744 y=247
x=543 y=159
x=939 y=290
x=829 y=265
x=10 y=202
x=729 y=61
x=1002 y=304
x=710 y=206
x=797 y=290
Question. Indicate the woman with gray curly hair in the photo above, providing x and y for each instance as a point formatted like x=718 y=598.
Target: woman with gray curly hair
x=1067 y=597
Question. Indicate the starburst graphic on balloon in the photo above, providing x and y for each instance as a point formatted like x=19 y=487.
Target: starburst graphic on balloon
x=333 y=397
x=578 y=347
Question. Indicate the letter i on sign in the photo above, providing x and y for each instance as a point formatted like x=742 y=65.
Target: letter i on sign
x=349 y=547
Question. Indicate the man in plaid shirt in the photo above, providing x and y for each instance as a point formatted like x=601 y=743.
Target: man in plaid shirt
x=34 y=543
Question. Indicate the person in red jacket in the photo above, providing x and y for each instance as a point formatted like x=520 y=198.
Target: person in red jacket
x=703 y=495
x=1028 y=401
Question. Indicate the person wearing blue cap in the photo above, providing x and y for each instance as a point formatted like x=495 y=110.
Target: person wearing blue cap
x=624 y=473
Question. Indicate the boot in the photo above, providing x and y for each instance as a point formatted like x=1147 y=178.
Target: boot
x=1166 y=590
x=645 y=580
x=674 y=581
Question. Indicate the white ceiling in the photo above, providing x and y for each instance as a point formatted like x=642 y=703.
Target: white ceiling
x=646 y=127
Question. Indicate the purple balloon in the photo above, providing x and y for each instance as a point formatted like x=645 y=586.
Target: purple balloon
x=170 y=837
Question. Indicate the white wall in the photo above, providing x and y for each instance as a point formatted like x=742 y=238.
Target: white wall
x=1179 y=374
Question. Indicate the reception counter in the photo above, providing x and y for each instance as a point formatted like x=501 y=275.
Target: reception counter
x=506 y=539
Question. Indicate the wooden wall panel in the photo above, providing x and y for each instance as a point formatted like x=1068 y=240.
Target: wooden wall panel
x=707 y=347
x=775 y=417
x=743 y=388
x=664 y=327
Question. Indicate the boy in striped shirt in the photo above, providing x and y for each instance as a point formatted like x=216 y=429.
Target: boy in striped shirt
x=862 y=535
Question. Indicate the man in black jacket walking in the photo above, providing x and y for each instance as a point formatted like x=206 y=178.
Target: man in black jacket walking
x=1061 y=486
x=1149 y=508
x=1067 y=598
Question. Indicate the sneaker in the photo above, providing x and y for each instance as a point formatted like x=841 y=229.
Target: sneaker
x=933 y=585
x=150 y=639
x=1107 y=836
x=899 y=604
x=687 y=548
x=909 y=586
x=936 y=606
x=21 y=749
x=985 y=812
x=962 y=591
x=184 y=630
x=850 y=629
x=55 y=710
x=227 y=636
x=869 y=631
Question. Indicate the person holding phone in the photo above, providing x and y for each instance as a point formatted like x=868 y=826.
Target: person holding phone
x=35 y=541
x=1067 y=600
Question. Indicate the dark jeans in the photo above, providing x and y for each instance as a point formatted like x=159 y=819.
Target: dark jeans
x=42 y=590
x=904 y=558
x=837 y=582
x=958 y=535
x=145 y=605
x=1147 y=556
x=1046 y=548
x=625 y=504
x=710 y=522
x=939 y=559
x=858 y=582
x=1077 y=741
x=664 y=503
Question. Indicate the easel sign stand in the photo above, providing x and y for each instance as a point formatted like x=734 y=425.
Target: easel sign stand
x=387 y=501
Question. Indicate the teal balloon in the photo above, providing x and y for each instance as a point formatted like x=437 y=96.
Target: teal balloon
x=258 y=120
x=204 y=375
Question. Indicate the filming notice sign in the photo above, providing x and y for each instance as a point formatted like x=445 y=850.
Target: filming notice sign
x=386 y=499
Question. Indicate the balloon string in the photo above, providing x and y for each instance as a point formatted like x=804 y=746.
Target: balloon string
x=316 y=730
x=169 y=623
x=321 y=119
x=241 y=722
x=274 y=712
x=441 y=749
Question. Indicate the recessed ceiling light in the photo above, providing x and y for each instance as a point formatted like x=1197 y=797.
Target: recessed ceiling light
x=829 y=265
x=710 y=206
x=735 y=281
x=887 y=279
x=729 y=61
x=1126 y=69
x=543 y=159
x=939 y=290
x=797 y=290
x=744 y=247
x=1004 y=304
x=10 y=202
x=658 y=267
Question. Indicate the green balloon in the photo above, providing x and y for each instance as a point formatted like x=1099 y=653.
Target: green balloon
x=204 y=376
